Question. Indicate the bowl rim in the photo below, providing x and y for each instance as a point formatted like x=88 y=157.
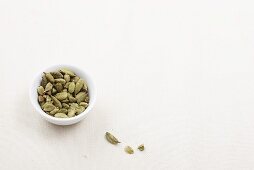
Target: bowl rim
x=45 y=115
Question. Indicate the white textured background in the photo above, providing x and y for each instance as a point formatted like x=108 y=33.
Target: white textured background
x=176 y=75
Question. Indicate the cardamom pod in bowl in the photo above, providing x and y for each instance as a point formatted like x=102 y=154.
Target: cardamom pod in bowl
x=63 y=94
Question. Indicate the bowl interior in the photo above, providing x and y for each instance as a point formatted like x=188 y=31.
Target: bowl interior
x=82 y=74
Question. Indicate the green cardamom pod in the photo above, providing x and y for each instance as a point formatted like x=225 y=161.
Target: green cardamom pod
x=61 y=96
x=48 y=107
x=48 y=87
x=80 y=109
x=54 y=91
x=79 y=86
x=41 y=99
x=56 y=74
x=71 y=112
x=72 y=99
x=50 y=77
x=54 y=111
x=48 y=98
x=63 y=110
x=83 y=104
x=71 y=87
x=141 y=147
x=81 y=97
x=75 y=79
x=40 y=90
x=66 y=106
x=74 y=105
x=65 y=101
x=61 y=115
x=67 y=85
x=129 y=150
x=62 y=81
x=85 y=87
x=42 y=104
x=111 y=139
x=59 y=87
x=67 y=78
x=87 y=99
x=67 y=71
x=56 y=102
x=44 y=81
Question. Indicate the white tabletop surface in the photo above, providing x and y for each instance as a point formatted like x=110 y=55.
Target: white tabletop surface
x=177 y=76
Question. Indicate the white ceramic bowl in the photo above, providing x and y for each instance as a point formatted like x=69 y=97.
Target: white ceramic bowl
x=63 y=121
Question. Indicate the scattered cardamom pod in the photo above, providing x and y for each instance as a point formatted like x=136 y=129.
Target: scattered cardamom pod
x=49 y=77
x=141 y=147
x=40 y=90
x=129 y=150
x=111 y=139
x=61 y=115
x=67 y=71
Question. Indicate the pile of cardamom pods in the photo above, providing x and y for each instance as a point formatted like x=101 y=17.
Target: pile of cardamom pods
x=63 y=94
